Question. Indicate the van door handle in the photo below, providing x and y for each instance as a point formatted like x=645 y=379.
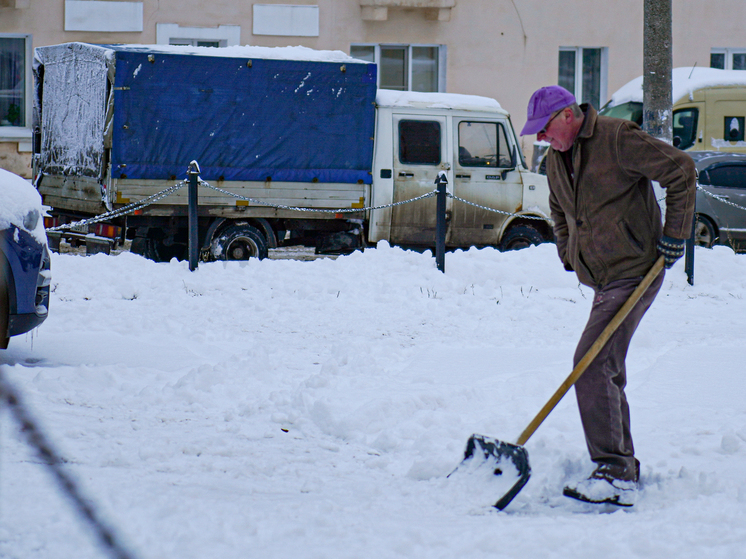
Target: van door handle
x=463 y=176
x=402 y=174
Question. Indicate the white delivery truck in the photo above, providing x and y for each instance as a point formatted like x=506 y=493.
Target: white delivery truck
x=282 y=136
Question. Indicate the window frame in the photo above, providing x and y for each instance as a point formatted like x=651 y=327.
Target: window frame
x=436 y=149
x=677 y=115
x=729 y=53
x=578 y=70
x=441 y=62
x=501 y=133
x=23 y=132
x=720 y=165
x=224 y=35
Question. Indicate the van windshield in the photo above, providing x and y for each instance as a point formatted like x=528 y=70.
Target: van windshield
x=631 y=110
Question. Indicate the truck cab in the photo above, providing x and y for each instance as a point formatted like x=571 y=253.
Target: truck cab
x=496 y=200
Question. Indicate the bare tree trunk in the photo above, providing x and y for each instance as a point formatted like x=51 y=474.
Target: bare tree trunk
x=657 y=118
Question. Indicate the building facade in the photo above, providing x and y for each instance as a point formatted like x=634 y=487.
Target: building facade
x=503 y=49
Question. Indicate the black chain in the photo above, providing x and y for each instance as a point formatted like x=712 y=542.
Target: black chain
x=37 y=440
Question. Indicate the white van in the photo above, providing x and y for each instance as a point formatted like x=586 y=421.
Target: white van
x=709 y=108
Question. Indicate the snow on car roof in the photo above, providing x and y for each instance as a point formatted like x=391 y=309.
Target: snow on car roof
x=457 y=101
x=684 y=82
x=17 y=199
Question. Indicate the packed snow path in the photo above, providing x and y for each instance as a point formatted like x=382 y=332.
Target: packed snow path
x=285 y=409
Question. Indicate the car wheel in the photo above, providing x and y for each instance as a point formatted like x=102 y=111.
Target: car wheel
x=520 y=236
x=4 y=313
x=704 y=232
x=239 y=242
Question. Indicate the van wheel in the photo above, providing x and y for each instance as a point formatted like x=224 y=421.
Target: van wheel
x=520 y=236
x=704 y=232
x=239 y=242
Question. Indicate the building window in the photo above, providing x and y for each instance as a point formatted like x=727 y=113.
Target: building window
x=15 y=80
x=406 y=67
x=195 y=43
x=220 y=36
x=583 y=72
x=728 y=59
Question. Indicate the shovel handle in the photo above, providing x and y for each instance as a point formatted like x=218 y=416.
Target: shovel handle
x=593 y=351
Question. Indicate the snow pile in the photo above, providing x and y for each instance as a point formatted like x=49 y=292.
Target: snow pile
x=20 y=205
x=684 y=82
x=283 y=409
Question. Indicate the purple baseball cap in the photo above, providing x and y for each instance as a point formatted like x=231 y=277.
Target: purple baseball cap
x=542 y=104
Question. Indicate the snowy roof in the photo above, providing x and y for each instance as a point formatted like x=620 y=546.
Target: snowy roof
x=685 y=81
x=457 y=101
x=17 y=200
x=274 y=53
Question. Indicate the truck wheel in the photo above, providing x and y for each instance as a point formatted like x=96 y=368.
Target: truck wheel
x=704 y=232
x=520 y=236
x=144 y=247
x=4 y=312
x=239 y=242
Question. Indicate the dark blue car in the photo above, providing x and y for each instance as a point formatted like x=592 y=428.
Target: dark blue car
x=24 y=260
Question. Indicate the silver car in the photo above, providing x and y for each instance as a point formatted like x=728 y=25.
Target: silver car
x=721 y=199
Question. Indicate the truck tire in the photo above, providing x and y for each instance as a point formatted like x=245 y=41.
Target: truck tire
x=240 y=241
x=144 y=247
x=520 y=236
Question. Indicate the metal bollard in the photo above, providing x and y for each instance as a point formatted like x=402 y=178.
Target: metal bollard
x=689 y=254
x=440 y=223
x=193 y=173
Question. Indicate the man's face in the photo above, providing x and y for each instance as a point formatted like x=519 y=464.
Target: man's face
x=558 y=130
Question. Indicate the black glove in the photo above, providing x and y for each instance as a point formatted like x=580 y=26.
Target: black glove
x=671 y=249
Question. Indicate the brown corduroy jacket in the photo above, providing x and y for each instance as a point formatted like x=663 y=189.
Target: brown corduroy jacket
x=607 y=221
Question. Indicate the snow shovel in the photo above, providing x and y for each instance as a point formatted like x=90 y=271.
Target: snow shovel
x=511 y=460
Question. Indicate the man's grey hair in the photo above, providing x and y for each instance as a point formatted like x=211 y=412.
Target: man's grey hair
x=577 y=112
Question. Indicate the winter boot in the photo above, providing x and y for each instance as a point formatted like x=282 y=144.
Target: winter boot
x=605 y=485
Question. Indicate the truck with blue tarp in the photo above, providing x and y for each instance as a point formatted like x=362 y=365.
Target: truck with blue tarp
x=282 y=137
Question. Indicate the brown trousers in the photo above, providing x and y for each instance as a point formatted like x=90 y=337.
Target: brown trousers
x=600 y=390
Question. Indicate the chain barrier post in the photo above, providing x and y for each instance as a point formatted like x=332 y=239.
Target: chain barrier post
x=193 y=173
x=440 y=223
x=689 y=255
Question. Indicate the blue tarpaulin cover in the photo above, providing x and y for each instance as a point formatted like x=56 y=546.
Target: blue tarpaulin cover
x=242 y=120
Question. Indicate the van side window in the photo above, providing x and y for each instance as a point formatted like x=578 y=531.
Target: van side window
x=482 y=144
x=419 y=142
x=733 y=129
x=685 y=128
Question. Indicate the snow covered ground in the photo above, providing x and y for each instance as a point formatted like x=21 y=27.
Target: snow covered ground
x=285 y=409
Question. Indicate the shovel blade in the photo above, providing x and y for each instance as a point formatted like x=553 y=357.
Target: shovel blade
x=506 y=461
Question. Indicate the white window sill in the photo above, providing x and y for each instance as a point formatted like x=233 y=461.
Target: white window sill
x=17 y=134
